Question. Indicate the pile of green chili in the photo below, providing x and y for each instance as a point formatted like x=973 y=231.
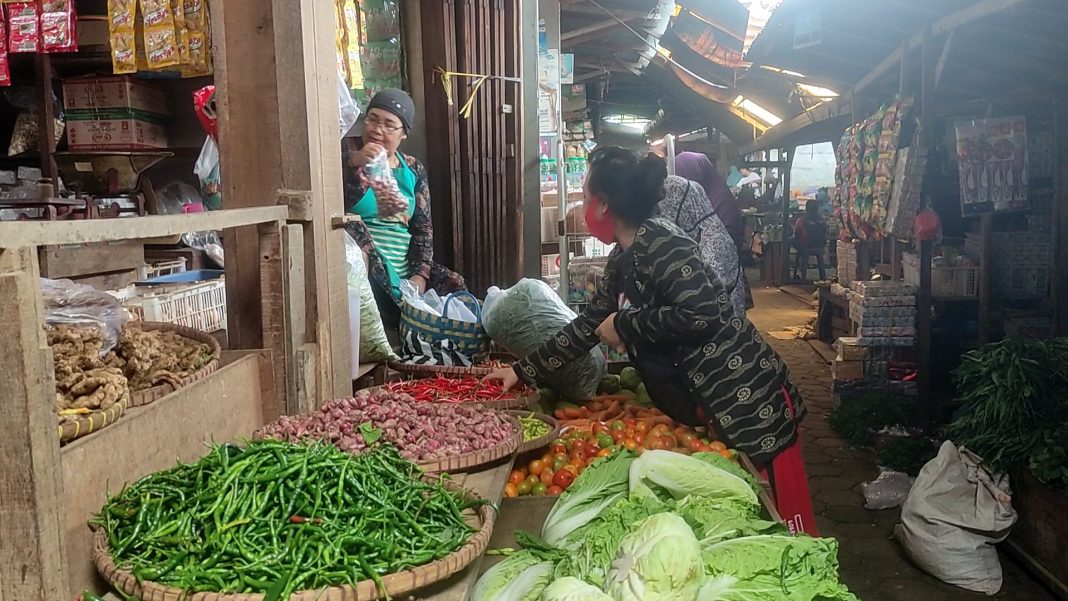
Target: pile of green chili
x=278 y=517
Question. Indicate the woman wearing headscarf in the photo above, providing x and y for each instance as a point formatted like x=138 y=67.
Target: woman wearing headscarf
x=660 y=302
x=696 y=167
x=395 y=232
x=686 y=205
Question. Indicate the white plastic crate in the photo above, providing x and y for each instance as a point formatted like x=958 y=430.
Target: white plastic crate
x=201 y=306
x=159 y=268
x=946 y=282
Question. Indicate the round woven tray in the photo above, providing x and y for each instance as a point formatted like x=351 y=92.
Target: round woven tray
x=541 y=441
x=90 y=422
x=468 y=461
x=396 y=584
x=149 y=395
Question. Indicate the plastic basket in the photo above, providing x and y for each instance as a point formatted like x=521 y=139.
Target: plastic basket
x=201 y=306
x=1029 y=282
x=946 y=282
x=165 y=267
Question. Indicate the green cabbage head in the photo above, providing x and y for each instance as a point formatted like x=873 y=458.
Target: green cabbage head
x=659 y=561
x=573 y=589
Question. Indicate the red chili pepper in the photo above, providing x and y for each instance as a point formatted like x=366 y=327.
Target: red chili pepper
x=297 y=519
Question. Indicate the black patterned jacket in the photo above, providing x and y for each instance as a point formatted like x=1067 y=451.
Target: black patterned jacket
x=735 y=377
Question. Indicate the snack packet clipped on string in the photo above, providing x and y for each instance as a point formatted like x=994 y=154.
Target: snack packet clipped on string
x=196 y=15
x=58 y=21
x=24 y=34
x=160 y=38
x=121 y=32
x=5 y=70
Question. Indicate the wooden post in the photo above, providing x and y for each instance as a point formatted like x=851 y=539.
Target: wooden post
x=923 y=299
x=46 y=119
x=33 y=562
x=1060 y=217
x=787 y=230
x=274 y=314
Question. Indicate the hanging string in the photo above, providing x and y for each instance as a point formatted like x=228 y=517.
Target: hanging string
x=446 y=85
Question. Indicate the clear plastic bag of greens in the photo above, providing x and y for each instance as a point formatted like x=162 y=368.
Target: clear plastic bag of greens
x=523 y=317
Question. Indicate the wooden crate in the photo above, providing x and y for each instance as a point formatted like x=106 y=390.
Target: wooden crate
x=1040 y=537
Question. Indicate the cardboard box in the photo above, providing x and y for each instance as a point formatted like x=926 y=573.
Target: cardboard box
x=89 y=95
x=849 y=349
x=115 y=135
x=842 y=370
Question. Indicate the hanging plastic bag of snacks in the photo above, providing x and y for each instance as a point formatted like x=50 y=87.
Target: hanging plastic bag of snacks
x=121 y=30
x=58 y=21
x=24 y=34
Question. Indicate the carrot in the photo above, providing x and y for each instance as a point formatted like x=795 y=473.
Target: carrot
x=579 y=424
x=572 y=413
x=559 y=414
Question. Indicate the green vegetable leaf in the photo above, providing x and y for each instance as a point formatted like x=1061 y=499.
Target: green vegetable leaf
x=370 y=433
x=520 y=577
x=659 y=561
x=573 y=589
x=682 y=475
x=603 y=484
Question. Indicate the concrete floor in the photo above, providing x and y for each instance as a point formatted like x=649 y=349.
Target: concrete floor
x=872 y=565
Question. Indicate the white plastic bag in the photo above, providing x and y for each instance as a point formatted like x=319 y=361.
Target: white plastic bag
x=207 y=171
x=348 y=112
x=374 y=345
x=451 y=306
x=956 y=513
x=887 y=491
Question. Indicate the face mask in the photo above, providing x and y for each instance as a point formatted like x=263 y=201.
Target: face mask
x=600 y=227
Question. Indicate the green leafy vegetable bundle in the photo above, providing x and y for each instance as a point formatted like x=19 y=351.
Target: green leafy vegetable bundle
x=1014 y=392
x=278 y=517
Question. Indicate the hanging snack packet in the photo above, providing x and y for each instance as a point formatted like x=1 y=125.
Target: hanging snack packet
x=5 y=70
x=196 y=15
x=121 y=19
x=161 y=47
x=199 y=55
x=24 y=33
x=58 y=26
x=181 y=31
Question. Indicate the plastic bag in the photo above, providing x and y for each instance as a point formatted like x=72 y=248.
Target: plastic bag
x=387 y=192
x=208 y=242
x=207 y=172
x=887 y=491
x=955 y=514
x=349 y=113
x=450 y=306
x=68 y=302
x=523 y=317
x=374 y=345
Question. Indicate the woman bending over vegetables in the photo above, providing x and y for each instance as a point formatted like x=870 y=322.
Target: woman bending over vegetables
x=662 y=304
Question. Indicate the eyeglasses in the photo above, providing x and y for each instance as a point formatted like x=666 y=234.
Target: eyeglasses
x=381 y=125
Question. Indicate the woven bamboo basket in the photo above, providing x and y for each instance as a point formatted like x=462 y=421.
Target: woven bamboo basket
x=469 y=461
x=91 y=422
x=541 y=441
x=396 y=584
x=148 y=395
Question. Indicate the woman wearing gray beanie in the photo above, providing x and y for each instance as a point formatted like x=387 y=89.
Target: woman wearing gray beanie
x=399 y=243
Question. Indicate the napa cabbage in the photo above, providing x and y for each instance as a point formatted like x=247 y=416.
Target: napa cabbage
x=772 y=568
x=714 y=520
x=659 y=561
x=520 y=577
x=666 y=474
x=573 y=589
x=599 y=487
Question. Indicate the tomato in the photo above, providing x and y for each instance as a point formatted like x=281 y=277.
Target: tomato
x=618 y=436
x=630 y=444
x=717 y=446
x=729 y=454
x=571 y=467
x=693 y=444
x=559 y=462
x=563 y=478
x=605 y=452
x=578 y=457
x=618 y=425
x=523 y=488
x=700 y=447
x=660 y=429
x=641 y=427
x=651 y=442
x=558 y=442
x=667 y=442
x=639 y=437
x=516 y=477
x=599 y=427
x=537 y=467
x=604 y=440
x=547 y=476
x=532 y=480
x=686 y=439
x=578 y=445
x=554 y=490
x=539 y=489
x=510 y=490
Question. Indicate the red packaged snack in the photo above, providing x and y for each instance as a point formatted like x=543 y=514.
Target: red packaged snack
x=5 y=72
x=23 y=32
x=57 y=32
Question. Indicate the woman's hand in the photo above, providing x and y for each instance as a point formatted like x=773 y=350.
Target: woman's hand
x=361 y=157
x=419 y=282
x=505 y=375
x=608 y=334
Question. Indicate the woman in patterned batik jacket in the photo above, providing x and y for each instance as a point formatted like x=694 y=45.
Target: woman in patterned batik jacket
x=662 y=304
